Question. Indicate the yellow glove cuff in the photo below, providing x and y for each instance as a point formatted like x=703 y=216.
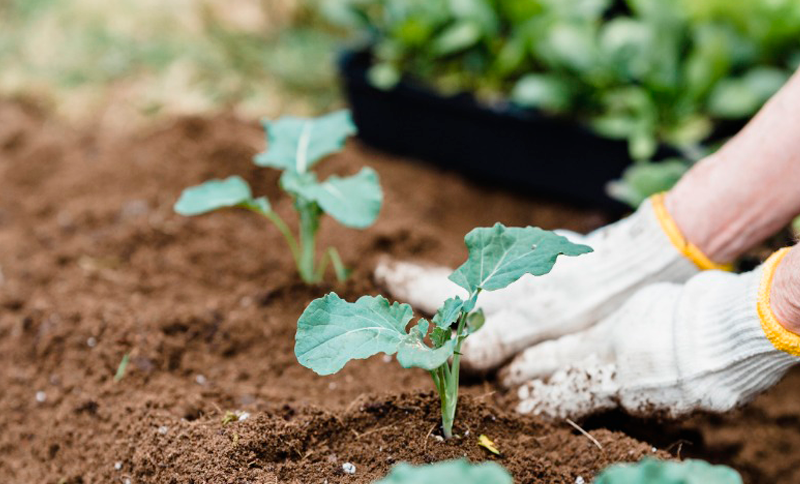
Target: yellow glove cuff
x=780 y=337
x=689 y=250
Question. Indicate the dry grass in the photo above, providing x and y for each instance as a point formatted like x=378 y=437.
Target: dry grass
x=131 y=60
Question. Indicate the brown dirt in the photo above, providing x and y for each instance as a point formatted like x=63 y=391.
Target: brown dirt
x=94 y=265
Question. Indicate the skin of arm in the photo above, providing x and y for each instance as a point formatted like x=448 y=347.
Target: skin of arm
x=747 y=191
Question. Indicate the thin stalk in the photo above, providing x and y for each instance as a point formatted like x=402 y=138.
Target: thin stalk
x=436 y=379
x=450 y=401
x=309 y=224
x=332 y=256
x=287 y=234
x=278 y=222
x=445 y=378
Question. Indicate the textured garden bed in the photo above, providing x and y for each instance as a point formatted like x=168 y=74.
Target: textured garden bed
x=95 y=265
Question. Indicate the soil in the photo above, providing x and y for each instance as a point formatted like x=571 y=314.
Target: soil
x=94 y=265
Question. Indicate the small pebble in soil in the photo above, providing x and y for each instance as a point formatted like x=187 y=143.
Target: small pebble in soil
x=579 y=480
x=126 y=481
x=163 y=430
x=243 y=415
x=91 y=342
x=348 y=468
x=332 y=385
x=134 y=208
x=201 y=379
x=439 y=438
x=41 y=396
x=387 y=358
x=117 y=466
x=332 y=458
x=654 y=450
x=65 y=220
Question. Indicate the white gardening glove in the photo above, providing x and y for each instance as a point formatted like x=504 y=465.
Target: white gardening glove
x=629 y=254
x=673 y=348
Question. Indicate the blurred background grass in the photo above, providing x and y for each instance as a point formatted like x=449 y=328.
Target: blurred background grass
x=684 y=74
x=133 y=60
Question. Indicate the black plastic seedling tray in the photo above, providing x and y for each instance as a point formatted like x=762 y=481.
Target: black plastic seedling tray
x=512 y=147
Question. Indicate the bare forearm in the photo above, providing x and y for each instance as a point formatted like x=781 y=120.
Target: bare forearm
x=749 y=189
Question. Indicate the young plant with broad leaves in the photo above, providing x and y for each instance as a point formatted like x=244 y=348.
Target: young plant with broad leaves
x=332 y=331
x=459 y=471
x=654 y=471
x=295 y=146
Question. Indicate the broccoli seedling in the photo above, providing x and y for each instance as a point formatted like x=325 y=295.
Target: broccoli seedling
x=295 y=145
x=459 y=471
x=332 y=332
x=666 y=472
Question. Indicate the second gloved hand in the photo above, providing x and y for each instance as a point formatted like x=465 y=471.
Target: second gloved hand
x=671 y=348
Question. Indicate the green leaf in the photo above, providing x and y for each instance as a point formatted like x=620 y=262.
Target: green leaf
x=123 y=365
x=627 y=44
x=458 y=37
x=332 y=332
x=459 y=471
x=354 y=201
x=642 y=143
x=740 y=98
x=499 y=256
x=662 y=472
x=542 y=91
x=448 y=313
x=570 y=45
x=476 y=320
x=641 y=180
x=413 y=352
x=482 y=12
x=440 y=336
x=384 y=76
x=215 y=194
x=296 y=144
x=260 y=204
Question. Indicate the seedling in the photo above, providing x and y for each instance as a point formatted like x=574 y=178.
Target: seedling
x=295 y=145
x=459 y=471
x=665 y=472
x=332 y=332
x=123 y=365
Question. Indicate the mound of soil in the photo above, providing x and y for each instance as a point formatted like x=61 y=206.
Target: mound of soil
x=94 y=265
x=373 y=433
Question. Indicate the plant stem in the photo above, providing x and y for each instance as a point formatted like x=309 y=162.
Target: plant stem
x=309 y=224
x=332 y=256
x=446 y=379
x=286 y=232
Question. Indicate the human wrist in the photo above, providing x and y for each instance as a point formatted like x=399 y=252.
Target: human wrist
x=725 y=208
x=678 y=240
x=702 y=214
x=785 y=292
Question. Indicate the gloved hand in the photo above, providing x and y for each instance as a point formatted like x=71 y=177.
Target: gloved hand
x=710 y=344
x=639 y=250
